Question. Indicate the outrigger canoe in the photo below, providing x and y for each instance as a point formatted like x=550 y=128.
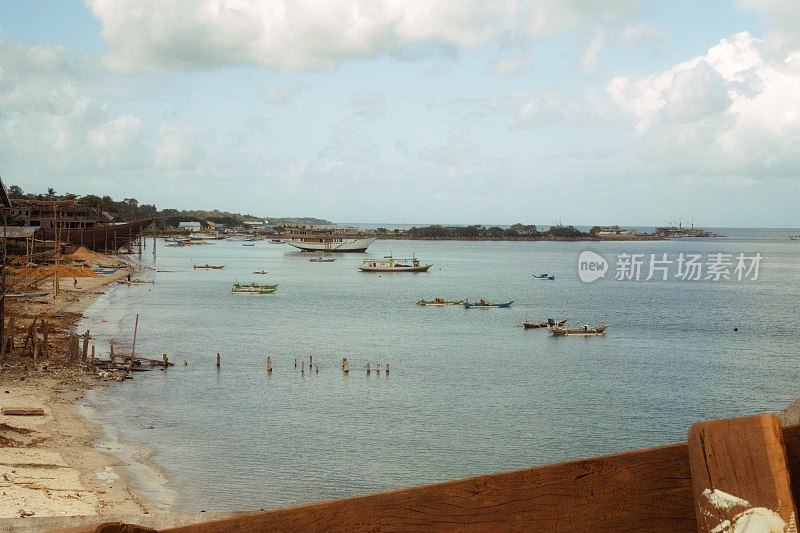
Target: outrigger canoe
x=441 y=302
x=585 y=331
x=543 y=324
x=485 y=304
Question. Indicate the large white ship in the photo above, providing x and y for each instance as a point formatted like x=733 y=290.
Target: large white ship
x=327 y=239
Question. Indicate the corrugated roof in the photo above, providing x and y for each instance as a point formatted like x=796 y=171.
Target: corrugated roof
x=18 y=232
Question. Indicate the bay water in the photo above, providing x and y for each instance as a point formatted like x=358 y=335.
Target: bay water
x=470 y=392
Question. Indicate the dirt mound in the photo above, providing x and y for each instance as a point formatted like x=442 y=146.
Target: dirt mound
x=85 y=254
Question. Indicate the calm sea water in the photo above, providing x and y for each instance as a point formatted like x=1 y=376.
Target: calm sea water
x=469 y=392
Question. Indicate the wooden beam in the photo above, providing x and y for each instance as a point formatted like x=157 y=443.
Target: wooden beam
x=646 y=490
x=740 y=475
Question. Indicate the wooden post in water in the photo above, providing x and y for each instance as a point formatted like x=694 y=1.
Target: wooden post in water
x=295 y=362
x=368 y=369
x=303 y=367
x=135 y=330
x=310 y=361
x=85 y=352
x=740 y=476
x=218 y=360
x=269 y=364
x=345 y=365
x=92 y=361
x=166 y=361
x=387 y=369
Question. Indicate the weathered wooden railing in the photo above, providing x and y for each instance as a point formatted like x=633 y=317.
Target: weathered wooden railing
x=731 y=475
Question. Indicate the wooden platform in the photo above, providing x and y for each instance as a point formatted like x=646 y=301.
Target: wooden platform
x=732 y=475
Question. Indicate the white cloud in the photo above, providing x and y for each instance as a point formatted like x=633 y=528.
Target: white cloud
x=784 y=18
x=369 y=104
x=118 y=144
x=592 y=53
x=640 y=33
x=179 y=147
x=730 y=112
x=506 y=66
x=300 y=34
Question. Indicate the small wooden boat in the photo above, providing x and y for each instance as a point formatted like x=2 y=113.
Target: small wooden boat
x=211 y=267
x=248 y=244
x=485 y=304
x=585 y=331
x=276 y=241
x=795 y=237
x=545 y=275
x=260 y=272
x=543 y=324
x=39 y=294
x=441 y=302
x=322 y=259
x=253 y=288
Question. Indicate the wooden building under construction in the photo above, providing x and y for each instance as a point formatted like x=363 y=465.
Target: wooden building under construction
x=72 y=223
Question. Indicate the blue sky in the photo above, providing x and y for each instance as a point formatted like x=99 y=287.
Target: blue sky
x=448 y=111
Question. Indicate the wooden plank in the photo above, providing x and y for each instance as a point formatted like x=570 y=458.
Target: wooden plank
x=23 y=411
x=740 y=475
x=646 y=490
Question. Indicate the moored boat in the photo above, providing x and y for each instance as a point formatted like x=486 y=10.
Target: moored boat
x=322 y=259
x=211 y=267
x=486 y=304
x=795 y=237
x=585 y=331
x=390 y=264
x=543 y=324
x=135 y=281
x=545 y=275
x=253 y=288
x=276 y=241
x=327 y=239
x=440 y=302
x=260 y=272
x=248 y=244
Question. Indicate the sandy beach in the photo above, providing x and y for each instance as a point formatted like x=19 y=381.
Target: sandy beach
x=50 y=465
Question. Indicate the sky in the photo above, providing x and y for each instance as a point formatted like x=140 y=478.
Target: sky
x=411 y=111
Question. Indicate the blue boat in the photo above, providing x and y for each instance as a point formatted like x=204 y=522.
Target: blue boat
x=486 y=304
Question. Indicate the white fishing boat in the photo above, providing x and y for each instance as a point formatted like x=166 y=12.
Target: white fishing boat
x=795 y=237
x=391 y=264
x=327 y=239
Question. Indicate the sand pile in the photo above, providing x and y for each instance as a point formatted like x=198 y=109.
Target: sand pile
x=84 y=254
x=41 y=272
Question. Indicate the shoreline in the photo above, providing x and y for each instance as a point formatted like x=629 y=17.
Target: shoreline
x=65 y=463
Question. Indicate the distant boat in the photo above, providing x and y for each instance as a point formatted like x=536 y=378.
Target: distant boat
x=276 y=241
x=390 y=264
x=212 y=267
x=260 y=272
x=441 y=302
x=322 y=259
x=546 y=276
x=327 y=239
x=253 y=288
x=795 y=237
x=248 y=244
x=485 y=304
x=135 y=281
x=543 y=324
x=585 y=331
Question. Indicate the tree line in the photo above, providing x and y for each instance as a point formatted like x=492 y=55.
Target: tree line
x=479 y=231
x=129 y=210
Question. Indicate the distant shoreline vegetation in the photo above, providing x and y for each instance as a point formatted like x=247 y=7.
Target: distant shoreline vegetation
x=130 y=210
x=516 y=232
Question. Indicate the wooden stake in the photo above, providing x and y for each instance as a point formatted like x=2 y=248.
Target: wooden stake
x=218 y=360
x=135 y=330
x=269 y=364
x=166 y=361
x=85 y=352
x=740 y=476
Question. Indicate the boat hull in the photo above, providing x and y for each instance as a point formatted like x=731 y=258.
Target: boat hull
x=421 y=268
x=432 y=303
x=108 y=238
x=587 y=332
x=487 y=306
x=538 y=325
x=345 y=246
